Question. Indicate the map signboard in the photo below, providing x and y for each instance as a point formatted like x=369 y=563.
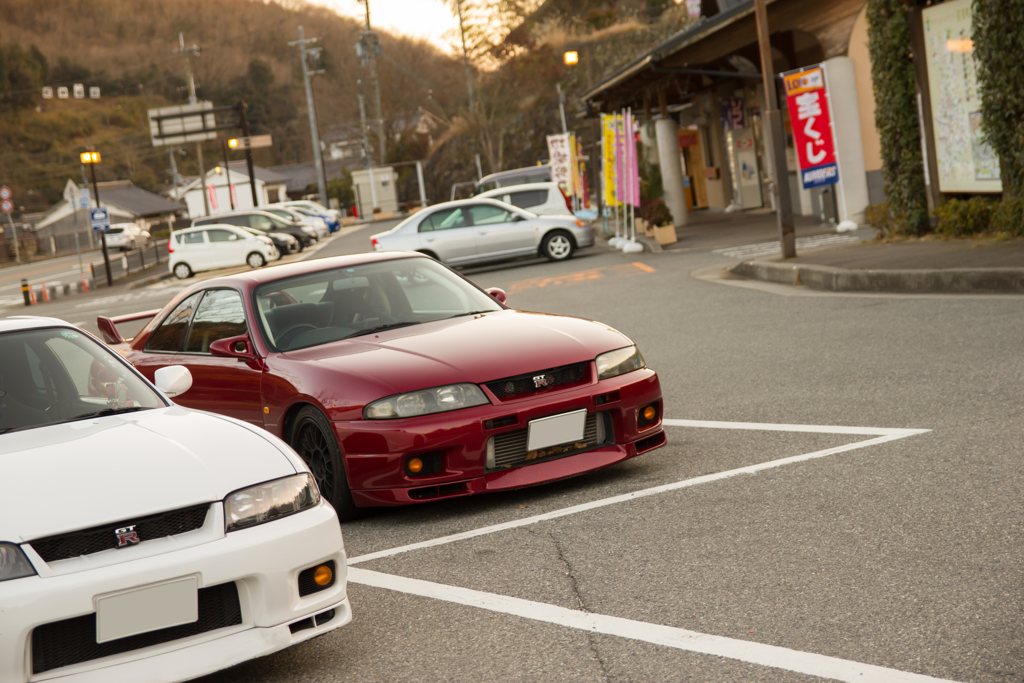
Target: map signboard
x=966 y=162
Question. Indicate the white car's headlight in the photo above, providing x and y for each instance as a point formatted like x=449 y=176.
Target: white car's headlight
x=619 y=362
x=426 y=402
x=13 y=563
x=269 y=501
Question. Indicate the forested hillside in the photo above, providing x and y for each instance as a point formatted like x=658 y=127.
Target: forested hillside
x=126 y=49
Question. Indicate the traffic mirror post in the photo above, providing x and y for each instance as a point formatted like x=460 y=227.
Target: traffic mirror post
x=103 y=233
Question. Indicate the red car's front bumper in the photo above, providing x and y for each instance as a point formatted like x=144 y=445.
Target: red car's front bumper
x=376 y=451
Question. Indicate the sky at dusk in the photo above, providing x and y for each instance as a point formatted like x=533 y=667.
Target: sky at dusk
x=427 y=19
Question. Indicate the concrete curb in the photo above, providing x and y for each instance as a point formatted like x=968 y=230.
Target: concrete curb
x=925 y=281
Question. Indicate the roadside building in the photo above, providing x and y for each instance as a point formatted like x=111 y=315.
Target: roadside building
x=55 y=228
x=227 y=187
x=300 y=177
x=701 y=92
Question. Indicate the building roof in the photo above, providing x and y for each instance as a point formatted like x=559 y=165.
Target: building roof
x=267 y=175
x=301 y=176
x=122 y=197
x=135 y=200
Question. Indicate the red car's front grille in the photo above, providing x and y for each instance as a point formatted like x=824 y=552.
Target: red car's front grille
x=509 y=449
x=541 y=380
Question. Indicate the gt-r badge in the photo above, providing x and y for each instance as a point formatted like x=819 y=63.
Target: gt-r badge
x=540 y=381
x=126 y=536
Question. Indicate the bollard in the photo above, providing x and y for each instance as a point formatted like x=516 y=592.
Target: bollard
x=26 y=292
x=46 y=293
x=85 y=285
x=51 y=292
x=67 y=288
x=32 y=293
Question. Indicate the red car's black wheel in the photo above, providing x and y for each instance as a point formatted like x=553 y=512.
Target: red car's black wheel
x=314 y=441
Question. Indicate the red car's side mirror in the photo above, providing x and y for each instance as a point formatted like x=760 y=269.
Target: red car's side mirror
x=234 y=347
x=498 y=294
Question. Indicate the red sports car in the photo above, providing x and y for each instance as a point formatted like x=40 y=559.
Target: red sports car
x=400 y=381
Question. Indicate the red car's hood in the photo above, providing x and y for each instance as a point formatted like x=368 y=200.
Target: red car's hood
x=469 y=349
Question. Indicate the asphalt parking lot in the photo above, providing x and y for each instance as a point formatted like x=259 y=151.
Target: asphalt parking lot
x=840 y=499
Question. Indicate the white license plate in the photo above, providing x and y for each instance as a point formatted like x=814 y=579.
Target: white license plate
x=557 y=429
x=171 y=603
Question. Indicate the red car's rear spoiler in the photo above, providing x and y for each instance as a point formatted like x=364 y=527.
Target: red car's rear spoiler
x=108 y=326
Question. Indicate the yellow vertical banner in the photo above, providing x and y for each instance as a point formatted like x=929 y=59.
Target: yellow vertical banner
x=608 y=150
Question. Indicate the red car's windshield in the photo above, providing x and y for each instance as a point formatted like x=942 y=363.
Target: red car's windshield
x=322 y=307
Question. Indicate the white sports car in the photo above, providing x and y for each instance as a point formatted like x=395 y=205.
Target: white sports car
x=140 y=540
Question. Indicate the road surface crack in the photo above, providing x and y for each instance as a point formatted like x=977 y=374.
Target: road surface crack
x=581 y=605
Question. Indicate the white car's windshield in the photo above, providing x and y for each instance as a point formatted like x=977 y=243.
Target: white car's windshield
x=54 y=375
x=336 y=304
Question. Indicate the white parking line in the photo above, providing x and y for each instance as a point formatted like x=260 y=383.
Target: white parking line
x=886 y=435
x=741 y=650
x=667 y=636
x=773 y=248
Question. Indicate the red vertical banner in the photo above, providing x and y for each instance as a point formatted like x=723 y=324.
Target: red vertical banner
x=212 y=191
x=234 y=196
x=807 y=98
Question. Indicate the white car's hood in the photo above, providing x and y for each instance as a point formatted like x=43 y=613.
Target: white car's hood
x=91 y=472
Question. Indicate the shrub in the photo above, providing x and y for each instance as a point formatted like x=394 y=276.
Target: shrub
x=881 y=218
x=963 y=217
x=1008 y=216
x=655 y=212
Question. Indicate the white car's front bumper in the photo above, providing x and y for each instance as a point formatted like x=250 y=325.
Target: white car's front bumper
x=262 y=562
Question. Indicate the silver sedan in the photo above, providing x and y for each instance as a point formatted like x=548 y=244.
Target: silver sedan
x=477 y=230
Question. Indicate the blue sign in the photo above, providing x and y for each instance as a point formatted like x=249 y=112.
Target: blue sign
x=826 y=174
x=100 y=218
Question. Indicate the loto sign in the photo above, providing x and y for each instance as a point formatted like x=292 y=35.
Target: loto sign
x=807 y=97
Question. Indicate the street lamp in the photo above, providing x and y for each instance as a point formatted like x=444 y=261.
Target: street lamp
x=91 y=158
x=571 y=57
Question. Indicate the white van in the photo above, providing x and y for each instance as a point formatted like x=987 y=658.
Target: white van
x=543 y=199
x=217 y=246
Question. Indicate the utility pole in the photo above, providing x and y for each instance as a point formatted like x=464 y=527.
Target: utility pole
x=465 y=57
x=314 y=128
x=243 y=123
x=561 y=106
x=368 y=48
x=192 y=100
x=777 y=153
x=367 y=154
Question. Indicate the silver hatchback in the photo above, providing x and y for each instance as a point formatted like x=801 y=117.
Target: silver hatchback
x=477 y=230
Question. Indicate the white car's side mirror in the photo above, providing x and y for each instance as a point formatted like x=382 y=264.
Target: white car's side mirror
x=173 y=380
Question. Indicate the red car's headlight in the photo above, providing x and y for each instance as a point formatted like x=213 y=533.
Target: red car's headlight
x=619 y=362
x=426 y=402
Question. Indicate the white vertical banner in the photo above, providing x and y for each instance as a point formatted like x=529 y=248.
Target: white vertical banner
x=559 y=153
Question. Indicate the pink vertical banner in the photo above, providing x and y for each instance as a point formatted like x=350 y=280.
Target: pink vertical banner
x=620 y=165
x=212 y=191
x=634 y=163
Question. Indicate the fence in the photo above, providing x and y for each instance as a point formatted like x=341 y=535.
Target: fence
x=123 y=265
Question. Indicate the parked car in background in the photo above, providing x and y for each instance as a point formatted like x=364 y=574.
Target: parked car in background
x=543 y=199
x=481 y=229
x=400 y=381
x=126 y=236
x=332 y=216
x=515 y=176
x=209 y=247
x=283 y=242
x=298 y=215
x=170 y=544
x=264 y=222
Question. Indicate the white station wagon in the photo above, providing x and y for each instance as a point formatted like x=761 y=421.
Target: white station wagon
x=482 y=229
x=170 y=543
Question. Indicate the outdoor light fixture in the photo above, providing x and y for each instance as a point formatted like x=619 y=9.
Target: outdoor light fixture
x=90 y=157
x=233 y=143
x=216 y=169
x=572 y=57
